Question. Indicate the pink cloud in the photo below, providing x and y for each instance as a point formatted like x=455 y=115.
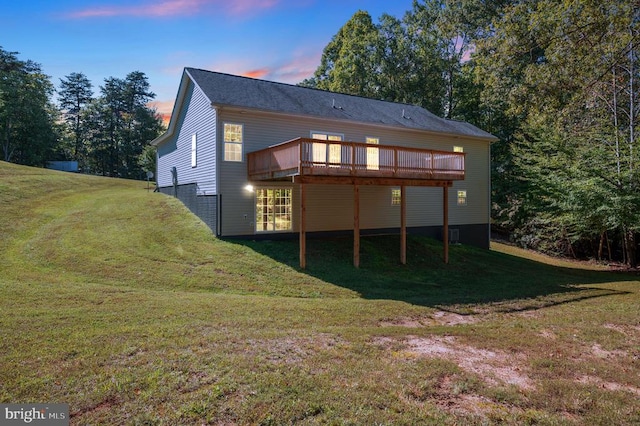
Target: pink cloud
x=168 y=8
x=292 y=70
x=258 y=73
x=297 y=69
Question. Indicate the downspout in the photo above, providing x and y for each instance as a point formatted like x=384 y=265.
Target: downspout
x=216 y=172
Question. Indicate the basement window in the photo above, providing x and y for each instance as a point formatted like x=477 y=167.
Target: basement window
x=273 y=210
x=462 y=198
x=396 y=196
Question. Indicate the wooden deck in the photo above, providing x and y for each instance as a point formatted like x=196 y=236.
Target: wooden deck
x=377 y=164
x=313 y=161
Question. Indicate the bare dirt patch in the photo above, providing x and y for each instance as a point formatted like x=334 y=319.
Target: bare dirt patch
x=610 y=386
x=599 y=352
x=494 y=367
x=290 y=350
x=452 y=318
x=548 y=334
x=437 y=318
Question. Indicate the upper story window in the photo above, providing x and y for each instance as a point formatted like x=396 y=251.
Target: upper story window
x=327 y=136
x=194 y=150
x=233 y=137
x=373 y=155
x=320 y=149
x=375 y=141
x=458 y=149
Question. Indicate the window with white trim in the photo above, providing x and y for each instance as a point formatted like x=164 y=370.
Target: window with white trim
x=233 y=136
x=396 y=196
x=273 y=210
x=320 y=149
x=462 y=197
x=373 y=154
x=194 y=150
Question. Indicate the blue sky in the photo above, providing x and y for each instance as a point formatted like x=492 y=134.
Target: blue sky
x=280 y=40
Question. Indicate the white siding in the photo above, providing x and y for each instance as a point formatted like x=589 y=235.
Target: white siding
x=330 y=207
x=198 y=117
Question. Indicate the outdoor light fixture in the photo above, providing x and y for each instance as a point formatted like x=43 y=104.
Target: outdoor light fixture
x=248 y=187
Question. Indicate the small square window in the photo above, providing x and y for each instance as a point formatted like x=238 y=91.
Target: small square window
x=462 y=198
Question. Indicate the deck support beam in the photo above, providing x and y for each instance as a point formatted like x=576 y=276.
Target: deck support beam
x=445 y=223
x=356 y=226
x=403 y=225
x=303 y=224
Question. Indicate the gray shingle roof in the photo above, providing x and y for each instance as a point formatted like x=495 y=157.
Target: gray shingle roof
x=243 y=92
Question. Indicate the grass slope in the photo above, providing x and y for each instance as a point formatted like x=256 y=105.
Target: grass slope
x=122 y=304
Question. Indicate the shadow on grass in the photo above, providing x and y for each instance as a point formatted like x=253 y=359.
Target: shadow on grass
x=474 y=281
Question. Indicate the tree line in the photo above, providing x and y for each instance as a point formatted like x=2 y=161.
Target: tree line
x=555 y=80
x=107 y=134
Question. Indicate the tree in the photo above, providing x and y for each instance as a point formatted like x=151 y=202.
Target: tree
x=122 y=125
x=417 y=60
x=148 y=159
x=568 y=74
x=74 y=95
x=347 y=63
x=27 y=117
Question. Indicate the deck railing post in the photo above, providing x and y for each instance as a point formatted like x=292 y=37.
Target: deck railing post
x=395 y=161
x=353 y=159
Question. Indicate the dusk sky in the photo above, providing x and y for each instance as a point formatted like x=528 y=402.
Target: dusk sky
x=279 y=40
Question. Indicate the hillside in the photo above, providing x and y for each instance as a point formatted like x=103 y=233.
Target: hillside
x=120 y=302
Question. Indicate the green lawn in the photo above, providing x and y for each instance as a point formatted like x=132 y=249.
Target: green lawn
x=122 y=304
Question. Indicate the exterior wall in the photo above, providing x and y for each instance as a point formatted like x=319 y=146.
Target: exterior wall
x=203 y=206
x=330 y=207
x=199 y=118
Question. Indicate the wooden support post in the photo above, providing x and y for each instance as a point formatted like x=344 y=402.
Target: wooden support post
x=403 y=225
x=356 y=226
x=303 y=224
x=445 y=222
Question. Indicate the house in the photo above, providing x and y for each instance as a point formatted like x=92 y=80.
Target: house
x=254 y=158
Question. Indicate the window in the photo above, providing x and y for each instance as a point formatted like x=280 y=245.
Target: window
x=273 y=210
x=396 y=196
x=233 y=142
x=194 y=150
x=320 y=149
x=462 y=198
x=373 y=156
x=327 y=136
x=458 y=149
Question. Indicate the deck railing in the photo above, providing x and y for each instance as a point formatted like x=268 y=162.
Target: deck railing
x=304 y=156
